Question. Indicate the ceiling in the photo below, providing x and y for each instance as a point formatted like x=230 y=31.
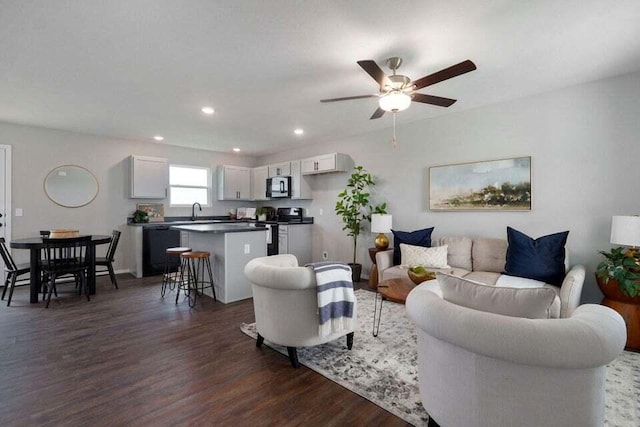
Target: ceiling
x=138 y=68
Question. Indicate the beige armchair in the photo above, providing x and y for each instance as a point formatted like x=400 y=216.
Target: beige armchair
x=285 y=303
x=483 y=369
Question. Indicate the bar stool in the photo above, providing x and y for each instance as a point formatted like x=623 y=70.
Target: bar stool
x=195 y=263
x=170 y=278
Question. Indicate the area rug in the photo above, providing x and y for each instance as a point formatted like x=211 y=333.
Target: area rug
x=384 y=369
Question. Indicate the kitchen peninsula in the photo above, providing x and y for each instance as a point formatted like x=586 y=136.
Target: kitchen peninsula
x=231 y=245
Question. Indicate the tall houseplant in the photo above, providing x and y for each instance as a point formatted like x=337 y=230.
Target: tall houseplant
x=619 y=280
x=354 y=208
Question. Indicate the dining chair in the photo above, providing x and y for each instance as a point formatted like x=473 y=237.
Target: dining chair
x=107 y=260
x=11 y=270
x=66 y=256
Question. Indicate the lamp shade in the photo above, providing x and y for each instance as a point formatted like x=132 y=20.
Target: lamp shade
x=381 y=223
x=625 y=230
x=395 y=101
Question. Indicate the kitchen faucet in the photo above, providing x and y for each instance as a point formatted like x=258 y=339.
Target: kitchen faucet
x=193 y=210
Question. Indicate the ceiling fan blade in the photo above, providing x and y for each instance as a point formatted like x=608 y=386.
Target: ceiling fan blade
x=346 y=98
x=374 y=71
x=434 y=100
x=377 y=114
x=447 y=73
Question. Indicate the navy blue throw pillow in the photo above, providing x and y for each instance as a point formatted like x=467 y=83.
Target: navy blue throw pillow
x=539 y=259
x=415 y=238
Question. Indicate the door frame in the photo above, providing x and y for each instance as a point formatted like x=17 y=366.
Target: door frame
x=6 y=219
x=7 y=191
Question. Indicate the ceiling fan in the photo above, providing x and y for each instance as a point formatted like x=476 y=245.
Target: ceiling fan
x=397 y=91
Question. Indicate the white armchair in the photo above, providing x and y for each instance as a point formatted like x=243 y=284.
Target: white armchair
x=285 y=303
x=482 y=369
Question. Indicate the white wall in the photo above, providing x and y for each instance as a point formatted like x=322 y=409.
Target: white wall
x=36 y=151
x=584 y=142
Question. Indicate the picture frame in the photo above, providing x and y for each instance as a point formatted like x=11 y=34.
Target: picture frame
x=491 y=185
x=155 y=211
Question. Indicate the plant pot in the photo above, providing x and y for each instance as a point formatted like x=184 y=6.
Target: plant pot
x=626 y=306
x=356 y=271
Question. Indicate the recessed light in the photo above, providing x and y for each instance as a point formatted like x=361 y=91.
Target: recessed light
x=236 y=149
x=208 y=110
x=158 y=138
x=298 y=131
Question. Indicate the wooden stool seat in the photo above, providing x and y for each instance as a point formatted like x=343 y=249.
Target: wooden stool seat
x=195 y=254
x=196 y=265
x=177 y=250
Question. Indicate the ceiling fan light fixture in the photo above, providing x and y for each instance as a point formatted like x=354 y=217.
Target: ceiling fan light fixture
x=395 y=101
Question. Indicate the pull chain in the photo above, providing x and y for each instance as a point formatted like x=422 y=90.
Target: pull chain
x=394 y=142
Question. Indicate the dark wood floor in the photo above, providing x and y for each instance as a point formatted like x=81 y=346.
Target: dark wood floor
x=130 y=358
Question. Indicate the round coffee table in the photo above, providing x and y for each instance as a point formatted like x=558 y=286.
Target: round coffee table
x=394 y=290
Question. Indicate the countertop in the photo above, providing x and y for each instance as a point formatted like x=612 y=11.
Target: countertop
x=229 y=227
x=172 y=222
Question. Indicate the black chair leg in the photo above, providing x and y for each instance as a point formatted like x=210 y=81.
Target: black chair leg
x=13 y=285
x=432 y=423
x=112 y=274
x=52 y=285
x=350 y=340
x=259 y=341
x=6 y=285
x=293 y=356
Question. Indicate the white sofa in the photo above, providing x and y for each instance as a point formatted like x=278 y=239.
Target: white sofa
x=285 y=303
x=483 y=260
x=482 y=369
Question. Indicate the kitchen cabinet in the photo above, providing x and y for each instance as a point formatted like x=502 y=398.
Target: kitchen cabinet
x=300 y=188
x=149 y=177
x=325 y=163
x=296 y=239
x=280 y=169
x=234 y=183
x=259 y=183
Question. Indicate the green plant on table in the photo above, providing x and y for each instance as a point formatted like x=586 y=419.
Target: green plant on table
x=622 y=265
x=353 y=204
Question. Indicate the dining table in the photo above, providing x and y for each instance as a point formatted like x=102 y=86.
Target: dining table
x=34 y=245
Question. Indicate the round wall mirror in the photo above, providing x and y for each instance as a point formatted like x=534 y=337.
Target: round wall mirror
x=71 y=186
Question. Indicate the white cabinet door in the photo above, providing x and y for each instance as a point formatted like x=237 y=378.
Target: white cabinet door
x=283 y=240
x=259 y=183
x=332 y=162
x=149 y=177
x=300 y=188
x=280 y=169
x=234 y=183
x=300 y=242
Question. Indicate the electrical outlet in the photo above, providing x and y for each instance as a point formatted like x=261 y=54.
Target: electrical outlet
x=18 y=211
x=321 y=211
x=247 y=248
x=325 y=255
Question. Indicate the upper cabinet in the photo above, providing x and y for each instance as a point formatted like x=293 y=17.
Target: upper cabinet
x=333 y=162
x=234 y=183
x=259 y=183
x=300 y=188
x=281 y=169
x=149 y=177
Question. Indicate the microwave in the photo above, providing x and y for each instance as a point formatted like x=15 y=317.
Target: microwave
x=279 y=186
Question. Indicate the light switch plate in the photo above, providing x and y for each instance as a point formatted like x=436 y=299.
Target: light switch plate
x=247 y=248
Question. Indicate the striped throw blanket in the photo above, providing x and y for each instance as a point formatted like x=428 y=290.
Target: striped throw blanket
x=335 y=297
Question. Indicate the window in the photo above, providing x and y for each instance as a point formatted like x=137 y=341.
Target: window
x=189 y=184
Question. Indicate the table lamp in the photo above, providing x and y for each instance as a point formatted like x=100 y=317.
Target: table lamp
x=625 y=231
x=381 y=223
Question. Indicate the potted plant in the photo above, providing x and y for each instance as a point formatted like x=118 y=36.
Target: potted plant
x=261 y=213
x=619 y=280
x=354 y=209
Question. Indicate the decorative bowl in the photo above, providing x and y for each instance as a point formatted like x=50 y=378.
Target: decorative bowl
x=419 y=278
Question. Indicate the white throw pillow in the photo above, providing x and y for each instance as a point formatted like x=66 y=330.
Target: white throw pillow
x=435 y=257
x=532 y=303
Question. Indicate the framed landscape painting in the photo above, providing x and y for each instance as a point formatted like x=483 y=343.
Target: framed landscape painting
x=496 y=185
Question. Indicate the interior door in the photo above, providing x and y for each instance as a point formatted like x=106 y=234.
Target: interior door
x=5 y=198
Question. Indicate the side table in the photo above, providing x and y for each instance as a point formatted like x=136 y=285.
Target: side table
x=395 y=290
x=373 y=275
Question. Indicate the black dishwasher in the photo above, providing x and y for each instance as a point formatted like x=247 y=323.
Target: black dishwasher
x=155 y=240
